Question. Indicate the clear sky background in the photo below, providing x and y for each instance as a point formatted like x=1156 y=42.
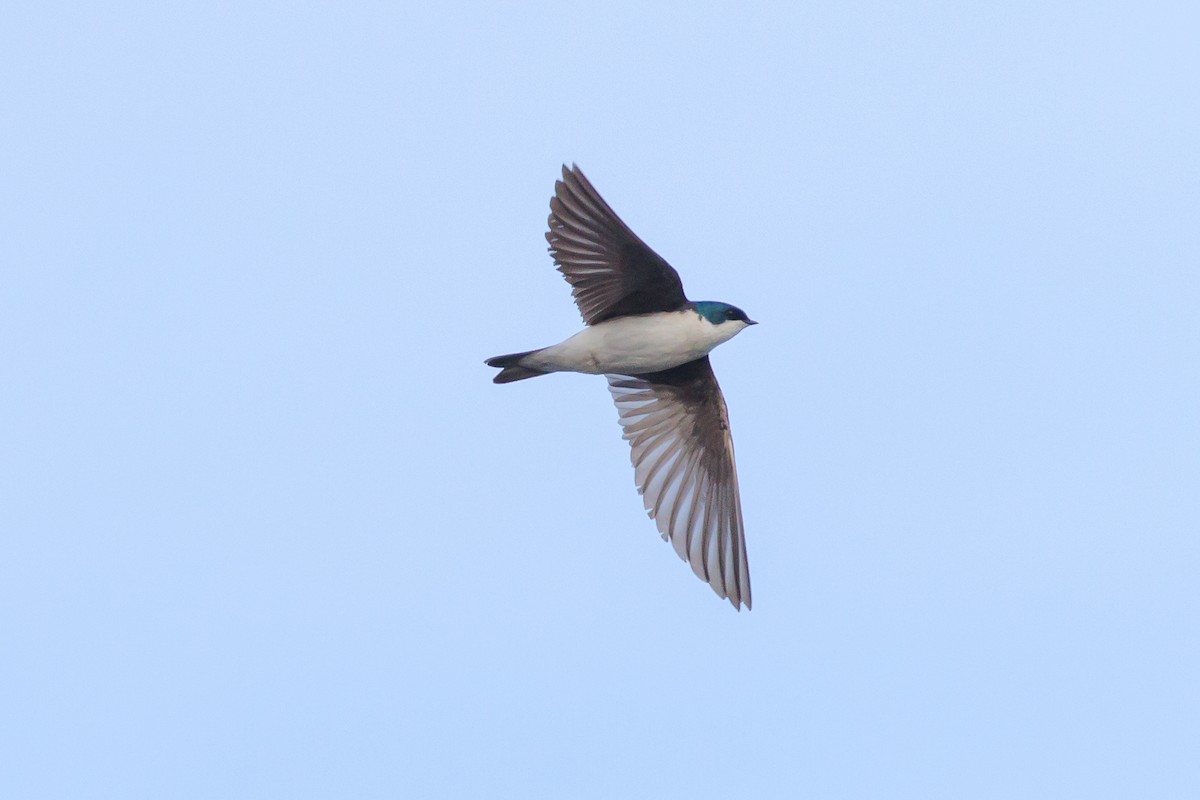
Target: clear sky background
x=270 y=531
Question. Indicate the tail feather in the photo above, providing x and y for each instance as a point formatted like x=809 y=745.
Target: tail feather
x=511 y=369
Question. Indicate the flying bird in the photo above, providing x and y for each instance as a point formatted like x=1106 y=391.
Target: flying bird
x=652 y=344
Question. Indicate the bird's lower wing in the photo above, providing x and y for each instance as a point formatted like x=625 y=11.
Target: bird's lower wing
x=678 y=428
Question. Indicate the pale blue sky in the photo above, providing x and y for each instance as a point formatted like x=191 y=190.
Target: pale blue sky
x=269 y=530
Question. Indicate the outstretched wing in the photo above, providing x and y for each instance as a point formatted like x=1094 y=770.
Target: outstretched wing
x=612 y=272
x=677 y=424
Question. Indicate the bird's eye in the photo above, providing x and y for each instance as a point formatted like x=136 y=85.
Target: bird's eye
x=731 y=314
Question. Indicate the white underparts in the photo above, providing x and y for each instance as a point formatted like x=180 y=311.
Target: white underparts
x=635 y=345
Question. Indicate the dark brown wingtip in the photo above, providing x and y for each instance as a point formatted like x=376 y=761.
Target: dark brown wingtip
x=556 y=201
x=576 y=182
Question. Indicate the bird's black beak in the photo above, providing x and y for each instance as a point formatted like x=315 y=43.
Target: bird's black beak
x=751 y=322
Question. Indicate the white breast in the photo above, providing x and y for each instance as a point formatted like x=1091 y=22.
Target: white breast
x=634 y=345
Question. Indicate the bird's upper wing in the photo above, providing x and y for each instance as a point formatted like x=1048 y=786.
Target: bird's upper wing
x=612 y=272
x=678 y=427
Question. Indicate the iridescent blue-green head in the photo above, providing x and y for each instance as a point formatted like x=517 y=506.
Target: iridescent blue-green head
x=718 y=313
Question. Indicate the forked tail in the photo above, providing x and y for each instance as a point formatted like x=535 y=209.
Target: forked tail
x=511 y=369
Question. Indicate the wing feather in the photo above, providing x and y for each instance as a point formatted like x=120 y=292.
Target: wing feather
x=612 y=272
x=677 y=426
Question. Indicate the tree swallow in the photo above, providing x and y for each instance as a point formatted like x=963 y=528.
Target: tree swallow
x=652 y=345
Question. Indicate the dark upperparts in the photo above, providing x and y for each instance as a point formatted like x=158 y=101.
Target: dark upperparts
x=612 y=272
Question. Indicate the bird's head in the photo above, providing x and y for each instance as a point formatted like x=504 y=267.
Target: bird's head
x=723 y=314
